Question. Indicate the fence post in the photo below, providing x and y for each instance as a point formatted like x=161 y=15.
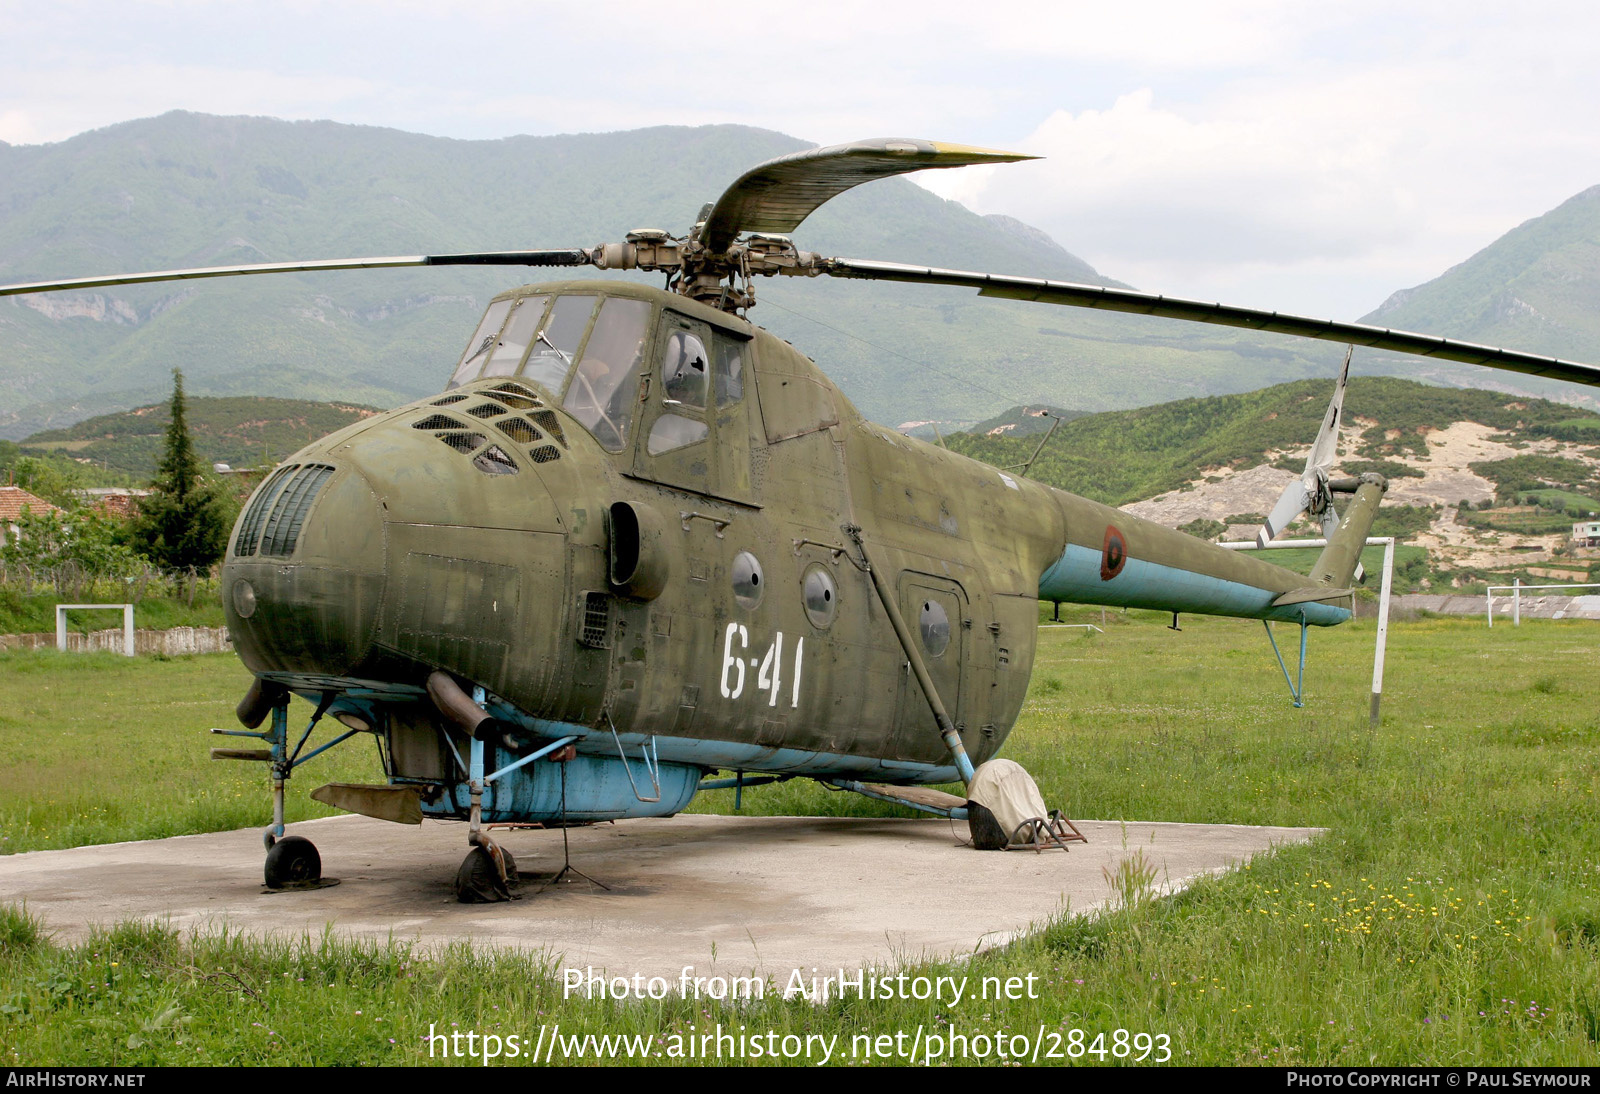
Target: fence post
x=1516 y=603
x=1383 y=629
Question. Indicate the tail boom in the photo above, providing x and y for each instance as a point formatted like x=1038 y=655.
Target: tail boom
x=1118 y=560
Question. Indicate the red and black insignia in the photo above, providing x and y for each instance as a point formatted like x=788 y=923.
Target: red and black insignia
x=1113 y=554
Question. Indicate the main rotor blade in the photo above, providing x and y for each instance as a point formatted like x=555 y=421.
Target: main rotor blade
x=1140 y=303
x=474 y=258
x=777 y=195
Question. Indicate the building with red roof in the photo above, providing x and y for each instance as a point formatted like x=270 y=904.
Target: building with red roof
x=13 y=500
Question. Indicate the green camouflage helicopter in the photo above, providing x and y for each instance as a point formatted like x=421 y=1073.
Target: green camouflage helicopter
x=638 y=541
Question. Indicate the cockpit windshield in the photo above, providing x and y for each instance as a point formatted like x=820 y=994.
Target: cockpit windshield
x=472 y=358
x=595 y=378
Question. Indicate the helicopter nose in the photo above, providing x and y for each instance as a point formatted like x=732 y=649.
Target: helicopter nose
x=405 y=539
x=304 y=577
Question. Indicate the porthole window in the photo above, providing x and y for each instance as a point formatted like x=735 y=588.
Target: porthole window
x=748 y=582
x=821 y=595
x=935 y=627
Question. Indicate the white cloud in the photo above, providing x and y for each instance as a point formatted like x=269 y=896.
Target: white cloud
x=1319 y=187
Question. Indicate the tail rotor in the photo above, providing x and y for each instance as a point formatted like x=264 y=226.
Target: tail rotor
x=1311 y=493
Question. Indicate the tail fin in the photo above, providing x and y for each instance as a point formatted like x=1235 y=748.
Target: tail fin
x=1337 y=565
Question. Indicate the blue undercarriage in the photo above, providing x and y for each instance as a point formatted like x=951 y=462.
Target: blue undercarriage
x=613 y=775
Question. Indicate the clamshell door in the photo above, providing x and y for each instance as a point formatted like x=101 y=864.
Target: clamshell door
x=934 y=609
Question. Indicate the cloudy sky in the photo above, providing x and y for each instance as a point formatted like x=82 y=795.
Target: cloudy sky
x=1309 y=157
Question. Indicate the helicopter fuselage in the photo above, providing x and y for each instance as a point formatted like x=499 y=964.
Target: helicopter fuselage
x=647 y=524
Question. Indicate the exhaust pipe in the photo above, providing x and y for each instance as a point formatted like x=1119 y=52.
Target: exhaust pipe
x=456 y=705
x=259 y=701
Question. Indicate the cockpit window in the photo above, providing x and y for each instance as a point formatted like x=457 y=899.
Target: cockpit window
x=673 y=431
x=513 y=341
x=555 y=344
x=685 y=367
x=600 y=387
x=729 y=369
x=603 y=388
x=472 y=358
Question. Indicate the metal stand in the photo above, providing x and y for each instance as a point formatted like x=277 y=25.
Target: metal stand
x=1297 y=688
x=1387 y=543
x=566 y=847
x=1045 y=834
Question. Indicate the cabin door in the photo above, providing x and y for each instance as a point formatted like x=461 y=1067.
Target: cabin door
x=934 y=609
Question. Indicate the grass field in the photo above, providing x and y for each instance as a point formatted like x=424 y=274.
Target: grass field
x=1451 y=916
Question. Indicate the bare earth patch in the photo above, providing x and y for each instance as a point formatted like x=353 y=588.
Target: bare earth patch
x=1446 y=481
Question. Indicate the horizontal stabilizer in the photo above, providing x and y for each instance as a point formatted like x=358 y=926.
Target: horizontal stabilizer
x=1311 y=596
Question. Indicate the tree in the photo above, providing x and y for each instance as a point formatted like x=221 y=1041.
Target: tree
x=85 y=538
x=57 y=481
x=184 y=522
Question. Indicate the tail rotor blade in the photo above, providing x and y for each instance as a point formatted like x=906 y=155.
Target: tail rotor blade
x=1325 y=449
x=1291 y=503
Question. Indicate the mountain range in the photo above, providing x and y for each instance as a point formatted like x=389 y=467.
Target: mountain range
x=190 y=189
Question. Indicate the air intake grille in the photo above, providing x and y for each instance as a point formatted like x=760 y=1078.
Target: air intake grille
x=282 y=533
x=437 y=421
x=519 y=430
x=595 y=632
x=494 y=461
x=552 y=425
x=514 y=395
x=486 y=410
x=250 y=529
x=448 y=399
x=464 y=442
x=545 y=453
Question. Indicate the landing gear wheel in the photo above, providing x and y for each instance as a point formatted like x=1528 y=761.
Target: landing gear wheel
x=478 y=882
x=987 y=835
x=293 y=863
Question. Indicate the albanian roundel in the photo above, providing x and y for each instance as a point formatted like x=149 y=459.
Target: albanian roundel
x=1113 y=554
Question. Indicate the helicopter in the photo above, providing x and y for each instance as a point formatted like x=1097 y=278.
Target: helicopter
x=638 y=541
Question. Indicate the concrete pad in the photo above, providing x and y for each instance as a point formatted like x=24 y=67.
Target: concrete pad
x=731 y=895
